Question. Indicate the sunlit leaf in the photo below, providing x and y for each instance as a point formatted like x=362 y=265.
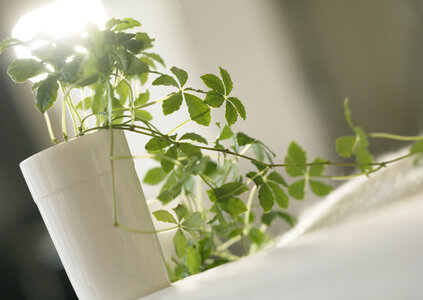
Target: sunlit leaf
x=198 y=110
x=295 y=155
x=154 y=176
x=164 y=216
x=180 y=242
x=226 y=80
x=214 y=83
x=297 y=189
x=182 y=75
x=266 y=197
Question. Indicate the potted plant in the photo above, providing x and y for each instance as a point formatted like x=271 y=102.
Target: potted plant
x=86 y=187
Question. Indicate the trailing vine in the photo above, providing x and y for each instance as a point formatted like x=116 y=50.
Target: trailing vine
x=109 y=66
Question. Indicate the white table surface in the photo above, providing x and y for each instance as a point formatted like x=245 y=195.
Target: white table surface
x=376 y=254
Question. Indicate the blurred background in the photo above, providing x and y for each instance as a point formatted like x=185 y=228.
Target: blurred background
x=293 y=63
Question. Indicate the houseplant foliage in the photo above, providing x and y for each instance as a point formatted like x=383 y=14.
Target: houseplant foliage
x=231 y=218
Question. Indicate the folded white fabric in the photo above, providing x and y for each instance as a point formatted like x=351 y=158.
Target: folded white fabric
x=396 y=182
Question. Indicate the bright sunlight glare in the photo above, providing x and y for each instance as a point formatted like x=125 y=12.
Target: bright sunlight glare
x=58 y=19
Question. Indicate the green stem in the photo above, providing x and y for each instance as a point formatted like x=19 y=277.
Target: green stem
x=176 y=162
x=395 y=137
x=50 y=129
x=72 y=110
x=232 y=241
x=249 y=203
x=64 y=129
x=112 y=162
x=207 y=181
x=83 y=108
x=151 y=103
x=74 y=114
x=352 y=176
x=144 y=231
x=268 y=165
x=179 y=126
x=228 y=256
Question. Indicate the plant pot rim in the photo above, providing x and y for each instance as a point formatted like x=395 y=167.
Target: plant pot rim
x=77 y=160
x=59 y=145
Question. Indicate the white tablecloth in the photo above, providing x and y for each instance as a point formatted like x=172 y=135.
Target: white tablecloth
x=372 y=255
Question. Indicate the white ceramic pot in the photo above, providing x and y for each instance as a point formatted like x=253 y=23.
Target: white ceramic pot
x=72 y=187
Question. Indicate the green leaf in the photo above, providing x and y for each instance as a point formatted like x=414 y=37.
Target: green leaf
x=239 y=107
x=145 y=39
x=364 y=157
x=125 y=24
x=244 y=139
x=180 y=211
x=123 y=90
x=165 y=80
x=211 y=166
x=36 y=85
x=193 y=233
x=116 y=105
x=156 y=143
x=214 y=83
x=226 y=133
x=320 y=188
x=142 y=98
x=9 y=42
x=226 y=80
x=345 y=145
x=154 y=176
x=276 y=177
x=99 y=99
x=234 y=206
x=85 y=104
x=256 y=236
x=71 y=71
x=120 y=37
x=317 y=170
x=45 y=52
x=171 y=189
x=214 y=99
x=136 y=67
x=111 y=23
x=266 y=198
x=143 y=115
x=191 y=151
x=193 y=221
x=347 y=113
x=198 y=110
x=230 y=113
x=182 y=75
x=194 y=137
x=164 y=216
x=269 y=217
x=167 y=165
x=417 y=147
x=258 y=151
x=297 y=189
x=180 y=242
x=47 y=93
x=258 y=179
x=296 y=155
x=23 y=69
x=172 y=104
x=157 y=58
x=149 y=62
x=135 y=47
x=193 y=261
x=228 y=190
x=280 y=197
x=143 y=78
